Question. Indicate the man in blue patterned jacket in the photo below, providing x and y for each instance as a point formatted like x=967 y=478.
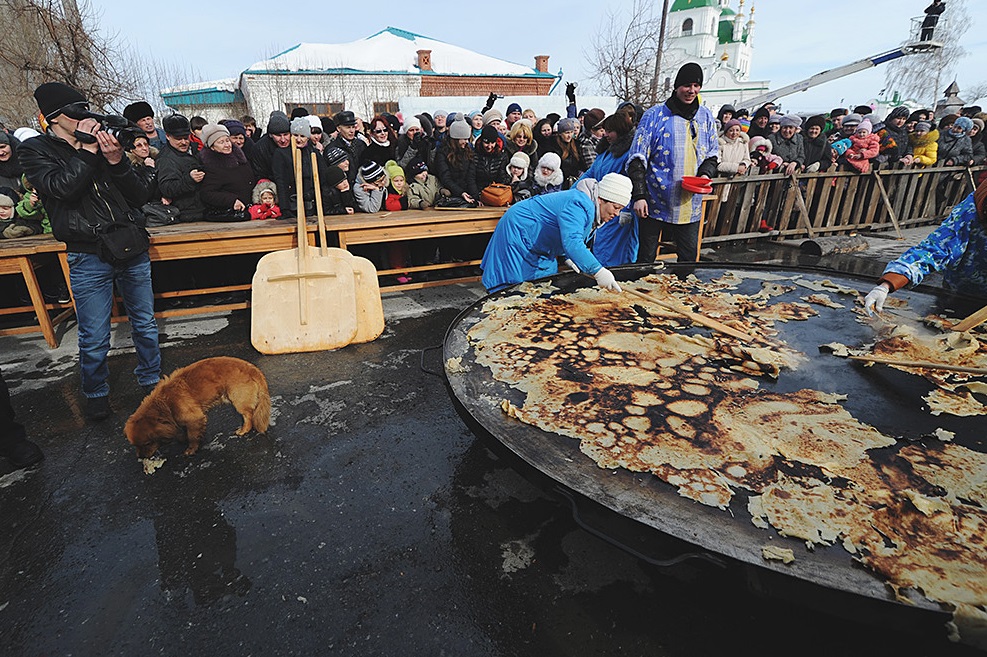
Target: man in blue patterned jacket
x=677 y=138
x=958 y=248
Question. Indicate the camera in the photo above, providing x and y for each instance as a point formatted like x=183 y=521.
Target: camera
x=119 y=127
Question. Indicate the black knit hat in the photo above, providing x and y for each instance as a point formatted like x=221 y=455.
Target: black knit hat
x=335 y=155
x=176 y=125
x=278 y=123
x=689 y=73
x=371 y=171
x=137 y=111
x=297 y=112
x=53 y=96
x=489 y=134
x=417 y=166
x=900 y=112
x=334 y=176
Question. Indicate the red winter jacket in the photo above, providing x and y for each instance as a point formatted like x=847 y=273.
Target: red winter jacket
x=260 y=211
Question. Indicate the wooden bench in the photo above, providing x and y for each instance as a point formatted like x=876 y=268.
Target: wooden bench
x=210 y=239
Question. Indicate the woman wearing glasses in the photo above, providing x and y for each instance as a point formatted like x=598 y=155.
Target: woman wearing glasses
x=383 y=142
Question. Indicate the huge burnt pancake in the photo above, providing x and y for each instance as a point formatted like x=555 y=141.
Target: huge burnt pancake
x=762 y=431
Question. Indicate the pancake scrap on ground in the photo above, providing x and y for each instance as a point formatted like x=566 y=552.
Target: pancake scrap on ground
x=644 y=389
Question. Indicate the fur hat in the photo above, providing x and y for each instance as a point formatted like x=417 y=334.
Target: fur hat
x=264 y=185
x=53 y=96
x=791 y=120
x=841 y=146
x=688 y=74
x=213 y=131
x=176 y=125
x=137 y=111
x=551 y=161
x=616 y=188
x=978 y=123
x=760 y=142
x=865 y=126
x=492 y=115
x=965 y=123
x=301 y=127
x=522 y=161
x=335 y=155
x=460 y=130
x=278 y=123
x=818 y=121
x=411 y=122
x=417 y=166
x=567 y=125
x=863 y=110
x=372 y=171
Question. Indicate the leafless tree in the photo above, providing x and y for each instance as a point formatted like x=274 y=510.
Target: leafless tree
x=925 y=76
x=623 y=54
x=57 y=40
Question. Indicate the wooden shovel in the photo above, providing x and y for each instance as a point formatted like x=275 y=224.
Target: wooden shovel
x=976 y=319
x=702 y=320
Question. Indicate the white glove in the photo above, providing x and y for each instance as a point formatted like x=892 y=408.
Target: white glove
x=875 y=299
x=571 y=265
x=625 y=218
x=605 y=279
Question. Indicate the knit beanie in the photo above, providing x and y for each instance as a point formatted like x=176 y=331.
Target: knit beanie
x=923 y=126
x=460 y=130
x=731 y=123
x=334 y=176
x=551 y=161
x=865 y=127
x=489 y=134
x=278 y=123
x=412 y=122
x=900 y=112
x=513 y=107
x=567 y=125
x=335 y=155
x=301 y=127
x=688 y=74
x=4 y=137
x=211 y=132
x=978 y=123
x=492 y=115
x=53 y=96
x=437 y=113
x=371 y=171
x=965 y=123
x=841 y=146
x=774 y=118
x=616 y=188
x=314 y=122
x=417 y=166
x=791 y=121
x=393 y=170
x=235 y=127
x=23 y=134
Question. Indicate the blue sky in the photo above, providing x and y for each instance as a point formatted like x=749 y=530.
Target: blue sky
x=793 y=38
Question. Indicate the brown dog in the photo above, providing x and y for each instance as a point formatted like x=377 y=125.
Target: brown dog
x=181 y=401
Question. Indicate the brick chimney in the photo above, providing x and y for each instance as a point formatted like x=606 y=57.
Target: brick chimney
x=541 y=63
x=425 y=60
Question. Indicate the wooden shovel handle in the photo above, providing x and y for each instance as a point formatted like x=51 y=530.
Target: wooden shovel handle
x=976 y=319
x=324 y=248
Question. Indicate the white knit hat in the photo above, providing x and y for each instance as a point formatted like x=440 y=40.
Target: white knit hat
x=314 y=121
x=550 y=160
x=615 y=188
x=411 y=122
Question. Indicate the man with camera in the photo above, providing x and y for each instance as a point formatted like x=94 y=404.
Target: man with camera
x=93 y=197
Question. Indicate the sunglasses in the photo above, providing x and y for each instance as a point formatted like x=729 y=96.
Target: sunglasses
x=316 y=131
x=380 y=131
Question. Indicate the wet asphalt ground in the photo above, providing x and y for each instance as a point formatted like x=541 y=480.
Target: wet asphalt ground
x=368 y=521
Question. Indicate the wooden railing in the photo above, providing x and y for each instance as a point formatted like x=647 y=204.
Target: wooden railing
x=819 y=204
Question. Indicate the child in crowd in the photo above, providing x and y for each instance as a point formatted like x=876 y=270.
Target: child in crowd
x=336 y=189
x=762 y=157
x=197 y=123
x=30 y=210
x=7 y=227
x=370 y=189
x=396 y=199
x=548 y=175
x=521 y=183
x=864 y=147
x=735 y=156
x=424 y=190
x=925 y=144
x=265 y=198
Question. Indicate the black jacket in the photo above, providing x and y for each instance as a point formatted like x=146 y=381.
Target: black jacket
x=491 y=167
x=457 y=179
x=284 y=178
x=80 y=190
x=228 y=178
x=177 y=185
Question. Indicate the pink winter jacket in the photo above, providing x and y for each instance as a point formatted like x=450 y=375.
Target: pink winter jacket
x=862 y=151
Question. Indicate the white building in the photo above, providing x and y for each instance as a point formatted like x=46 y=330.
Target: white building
x=720 y=40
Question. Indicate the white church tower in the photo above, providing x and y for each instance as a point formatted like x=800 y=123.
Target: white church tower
x=721 y=40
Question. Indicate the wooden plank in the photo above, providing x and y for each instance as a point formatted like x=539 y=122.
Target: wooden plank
x=887 y=203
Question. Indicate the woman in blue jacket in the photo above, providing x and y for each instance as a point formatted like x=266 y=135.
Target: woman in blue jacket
x=534 y=233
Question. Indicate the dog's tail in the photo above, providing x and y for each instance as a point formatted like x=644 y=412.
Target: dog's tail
x=262 y=414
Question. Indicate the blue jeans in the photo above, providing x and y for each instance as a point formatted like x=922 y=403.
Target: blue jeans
x=92 y=287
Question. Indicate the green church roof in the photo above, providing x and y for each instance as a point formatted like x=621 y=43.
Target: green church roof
x=726 y=11
x=725 y=32
x=682 y=5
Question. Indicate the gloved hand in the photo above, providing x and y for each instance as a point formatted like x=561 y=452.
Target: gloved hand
x=571 y=265
x=605 y=279
x=875 y=299
x=570 y=92
x=491 y=99
x=625 y=218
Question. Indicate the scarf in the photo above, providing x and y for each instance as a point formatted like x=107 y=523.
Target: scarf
x=687 y=112
x=590 y=187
